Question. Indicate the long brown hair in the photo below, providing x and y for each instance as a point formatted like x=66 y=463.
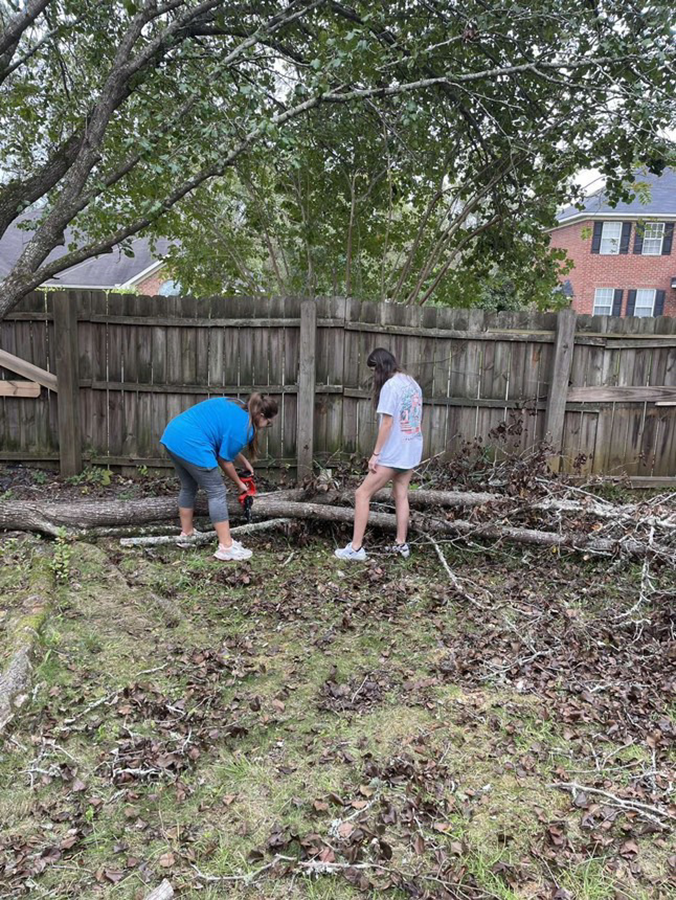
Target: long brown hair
x=385 y=365
x=263 y=405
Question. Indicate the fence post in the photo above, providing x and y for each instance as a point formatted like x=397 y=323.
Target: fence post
x=306 y=388
x=558 y=387
x=67 y=373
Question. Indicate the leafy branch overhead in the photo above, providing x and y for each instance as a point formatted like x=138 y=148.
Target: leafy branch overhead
x=397 y=140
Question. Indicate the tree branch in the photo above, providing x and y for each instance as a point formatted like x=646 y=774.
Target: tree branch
x=15 y=28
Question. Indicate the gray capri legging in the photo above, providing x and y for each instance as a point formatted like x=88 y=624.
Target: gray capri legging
x=211 y=480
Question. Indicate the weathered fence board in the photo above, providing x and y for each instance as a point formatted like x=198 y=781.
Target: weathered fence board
x=142 y=360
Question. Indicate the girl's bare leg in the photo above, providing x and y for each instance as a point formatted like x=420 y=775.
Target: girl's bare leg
x=373 y=482
x=400 y=483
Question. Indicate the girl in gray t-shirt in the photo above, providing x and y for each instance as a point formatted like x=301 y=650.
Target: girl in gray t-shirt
x=398 y=449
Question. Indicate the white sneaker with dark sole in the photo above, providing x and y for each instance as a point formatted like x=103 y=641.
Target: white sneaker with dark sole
x=234 y=553
x=350 y=554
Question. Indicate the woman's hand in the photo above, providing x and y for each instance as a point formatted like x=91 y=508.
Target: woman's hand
x=373 y=463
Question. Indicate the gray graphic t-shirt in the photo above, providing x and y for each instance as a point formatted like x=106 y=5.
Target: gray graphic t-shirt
x=401 y=398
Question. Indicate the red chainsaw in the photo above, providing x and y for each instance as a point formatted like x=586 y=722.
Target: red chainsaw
x=246 y=497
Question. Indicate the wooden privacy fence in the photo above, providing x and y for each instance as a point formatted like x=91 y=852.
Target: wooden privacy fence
x=603 y=388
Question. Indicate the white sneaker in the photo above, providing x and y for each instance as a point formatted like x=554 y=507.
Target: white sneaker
x=188 y=540
x=232 y=553
x=349 y=553
x=400 y=550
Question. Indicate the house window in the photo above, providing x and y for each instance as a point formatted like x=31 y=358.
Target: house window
x=653 y=235
x=170 y=289
x=610 y=238
x=603 y=301
x=645 y=302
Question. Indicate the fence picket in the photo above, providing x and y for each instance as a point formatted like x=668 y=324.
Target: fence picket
x=143 y=360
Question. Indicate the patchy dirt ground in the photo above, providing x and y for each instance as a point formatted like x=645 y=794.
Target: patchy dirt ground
x=295 y=727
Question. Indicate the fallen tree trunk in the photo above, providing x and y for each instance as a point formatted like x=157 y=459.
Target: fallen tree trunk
x=49 y=517
x=424 y=499
x=78 y=516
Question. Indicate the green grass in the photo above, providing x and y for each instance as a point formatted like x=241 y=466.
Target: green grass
x=282 y=634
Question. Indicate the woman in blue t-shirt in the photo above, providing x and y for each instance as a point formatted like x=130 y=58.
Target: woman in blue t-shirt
x=209 y=436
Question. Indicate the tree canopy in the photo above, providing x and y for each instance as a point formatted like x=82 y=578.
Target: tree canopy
x=365 y=146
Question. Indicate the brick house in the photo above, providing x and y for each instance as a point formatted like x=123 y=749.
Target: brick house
x=624 y=265
x=145 y=271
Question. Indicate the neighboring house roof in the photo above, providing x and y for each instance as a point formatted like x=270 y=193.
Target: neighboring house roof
x=662 y=202
x=105 y=272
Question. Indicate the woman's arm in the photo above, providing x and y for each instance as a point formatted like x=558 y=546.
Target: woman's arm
x=381 y=440
x=241 y=460
x=231 y=472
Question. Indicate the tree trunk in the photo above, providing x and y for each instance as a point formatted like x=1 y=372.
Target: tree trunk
x=48 y=517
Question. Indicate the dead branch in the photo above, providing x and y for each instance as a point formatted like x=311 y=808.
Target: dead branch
x=652 y=813
x=452 y=577
x=51 y=517
x=204 y=537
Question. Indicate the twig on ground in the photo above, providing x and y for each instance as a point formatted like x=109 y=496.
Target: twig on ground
x=109 y=698
x=246 y=877
x=652 y=813
x=647 y=587
x=453 y=578
x=358 y=691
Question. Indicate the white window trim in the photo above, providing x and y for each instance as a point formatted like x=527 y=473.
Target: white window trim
x=644 y=314
x=660 y=226
x=614 y=226
x=609 y=306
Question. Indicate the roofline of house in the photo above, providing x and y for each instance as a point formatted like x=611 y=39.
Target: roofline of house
x=633 y=217
x=79 y=287
x=150 y=270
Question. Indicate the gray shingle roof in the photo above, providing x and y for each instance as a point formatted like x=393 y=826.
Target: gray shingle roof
x=105 y=271
x=662 y=200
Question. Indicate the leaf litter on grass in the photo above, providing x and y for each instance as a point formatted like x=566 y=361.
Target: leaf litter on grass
x=310 y=731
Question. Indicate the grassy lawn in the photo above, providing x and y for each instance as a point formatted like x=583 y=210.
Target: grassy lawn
x=295 y=727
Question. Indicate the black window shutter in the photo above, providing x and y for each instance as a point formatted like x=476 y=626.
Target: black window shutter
x=617 y=302
x=626 y=236
x=638 y=237
x=631 y=303
x=659 y=303
x=668 y=238
x=596 y=239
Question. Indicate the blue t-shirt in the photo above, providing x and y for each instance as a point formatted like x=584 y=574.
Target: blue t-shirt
x=213 y=428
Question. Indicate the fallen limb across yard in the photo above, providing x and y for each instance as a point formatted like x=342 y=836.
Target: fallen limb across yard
x=560 y=524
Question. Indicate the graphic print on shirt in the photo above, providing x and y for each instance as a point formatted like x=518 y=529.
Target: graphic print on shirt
x=410 y=413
